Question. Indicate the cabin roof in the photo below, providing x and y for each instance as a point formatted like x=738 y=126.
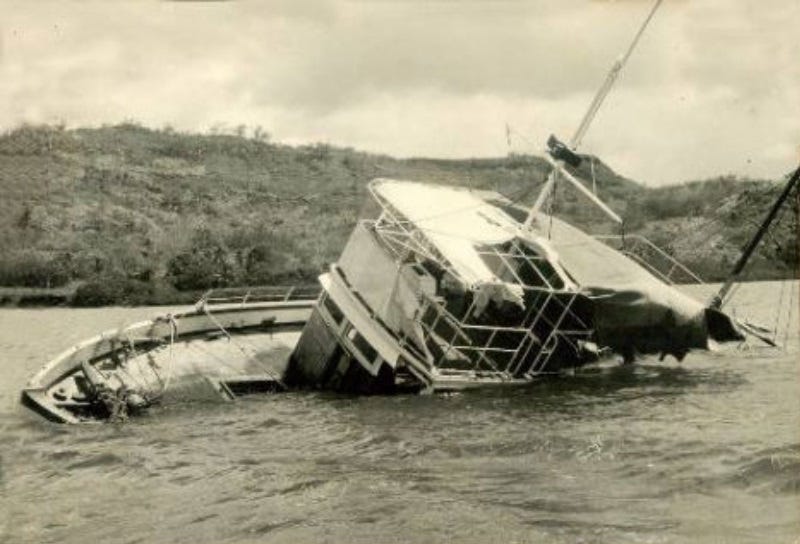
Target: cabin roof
x=456 y=221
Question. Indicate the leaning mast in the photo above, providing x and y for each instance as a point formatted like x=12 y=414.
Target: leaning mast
x=577 y=138
x=719 y=299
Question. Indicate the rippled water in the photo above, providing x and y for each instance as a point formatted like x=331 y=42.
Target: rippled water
x=703 y=451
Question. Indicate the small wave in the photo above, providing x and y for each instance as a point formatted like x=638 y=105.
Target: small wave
x=301 y=486
x=103 y=459
x=270 y=423
x=181 y=463
x=271 y=527
x=774 y=470
x=206 y=517
x=377 y=445
x=249 y=462
x=63 y=455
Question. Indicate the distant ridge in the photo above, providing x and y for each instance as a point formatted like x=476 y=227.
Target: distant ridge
x=135 y=213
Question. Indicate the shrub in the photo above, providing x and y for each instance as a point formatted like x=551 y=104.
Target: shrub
x=203 y=265
x=36 y=140
x=116 y=290
x=30 y=269
x=260 y=265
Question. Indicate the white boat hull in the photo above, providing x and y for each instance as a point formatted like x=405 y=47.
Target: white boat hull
x=208 y=352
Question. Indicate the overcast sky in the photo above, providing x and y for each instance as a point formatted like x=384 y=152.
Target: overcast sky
x=714 y=87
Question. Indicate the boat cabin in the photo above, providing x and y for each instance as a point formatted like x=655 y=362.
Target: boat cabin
x=442 y=290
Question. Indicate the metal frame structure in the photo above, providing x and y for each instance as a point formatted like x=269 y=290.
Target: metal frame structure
x=498 y=354
x=652 y=258
x=466 y=344
x=244 y=295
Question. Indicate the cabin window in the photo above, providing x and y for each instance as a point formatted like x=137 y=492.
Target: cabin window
x=364 y=347
x=333 y=309
x=420 y=271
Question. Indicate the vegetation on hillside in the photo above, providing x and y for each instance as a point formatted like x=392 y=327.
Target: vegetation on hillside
x=136 y=215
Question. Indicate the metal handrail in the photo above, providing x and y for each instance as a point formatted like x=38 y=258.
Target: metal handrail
x=482 y=352
x=244 y=295
x=660 y=252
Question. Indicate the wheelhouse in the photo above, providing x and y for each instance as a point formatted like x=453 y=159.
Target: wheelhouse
x=442 y=289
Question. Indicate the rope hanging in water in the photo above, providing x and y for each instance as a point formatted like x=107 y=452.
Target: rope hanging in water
x=173 y=332
x=266 y=370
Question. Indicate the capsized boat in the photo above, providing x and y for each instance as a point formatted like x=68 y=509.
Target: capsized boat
x=450 y=288
x=447 y=288
x=223 y=347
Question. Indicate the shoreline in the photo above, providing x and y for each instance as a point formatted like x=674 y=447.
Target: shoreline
x=64 y=297
x=68 y=296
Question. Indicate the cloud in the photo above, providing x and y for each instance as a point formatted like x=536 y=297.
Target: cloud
x=713 y=87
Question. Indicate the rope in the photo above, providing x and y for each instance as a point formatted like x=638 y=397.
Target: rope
x=775 y=331
x=123 y=363
x=793 y=300
x=779 y=215
x=551 y=206
x=173 y=331
x=133 y=378
x=266 y=370
x=734 y=290
x=207 y=352
x=511 y=131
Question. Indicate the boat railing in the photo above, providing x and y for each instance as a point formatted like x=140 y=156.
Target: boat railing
x=651 y=257
x=244 y=295
x=509 y=350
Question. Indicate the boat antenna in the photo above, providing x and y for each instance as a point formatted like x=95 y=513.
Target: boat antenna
x=588 y=117
x=718 y=300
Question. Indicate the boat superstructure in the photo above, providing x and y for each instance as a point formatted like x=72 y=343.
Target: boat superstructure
x=447 y=289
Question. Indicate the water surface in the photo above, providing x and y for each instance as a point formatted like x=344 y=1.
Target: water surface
x=707 y=450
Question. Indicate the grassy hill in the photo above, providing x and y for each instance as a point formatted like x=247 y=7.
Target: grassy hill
x=136 y=215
